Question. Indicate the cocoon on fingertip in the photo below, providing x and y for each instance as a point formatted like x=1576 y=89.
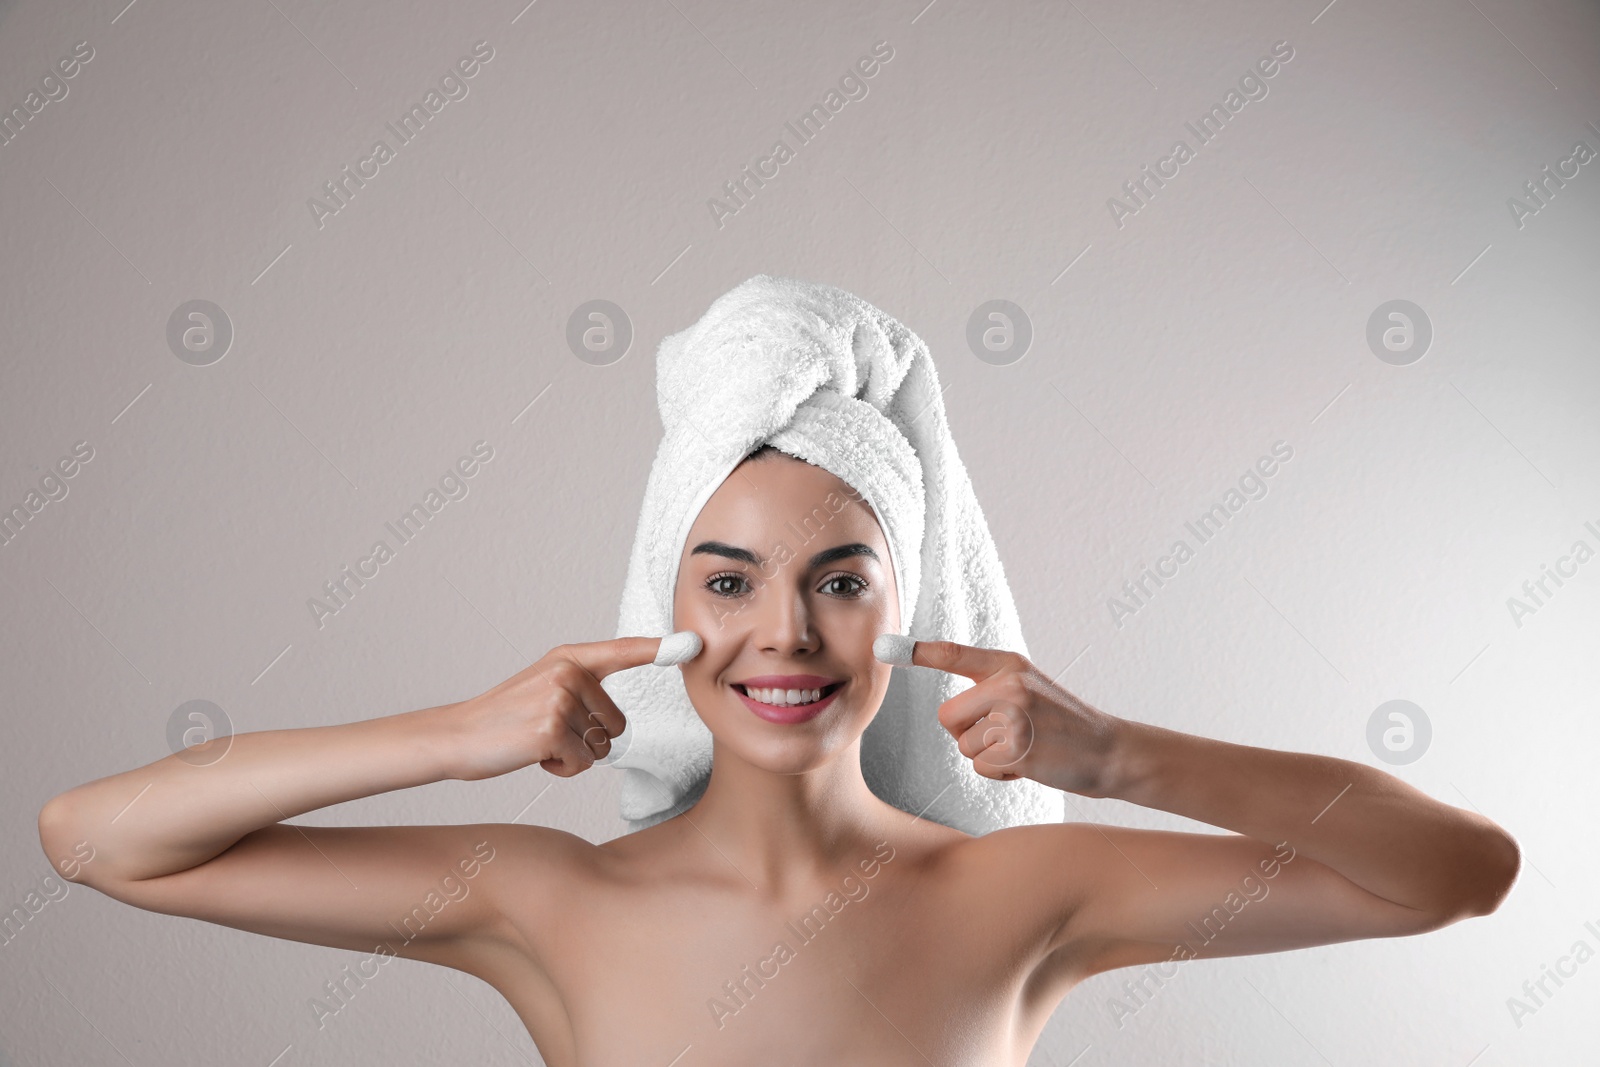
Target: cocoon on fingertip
x=894 y=648
x=677 y=648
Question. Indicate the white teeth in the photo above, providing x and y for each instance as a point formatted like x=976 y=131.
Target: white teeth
x=784 y=697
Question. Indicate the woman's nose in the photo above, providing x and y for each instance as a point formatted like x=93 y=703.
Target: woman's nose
x=781 y=620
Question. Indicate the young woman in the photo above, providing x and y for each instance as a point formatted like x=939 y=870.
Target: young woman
x=789 y=916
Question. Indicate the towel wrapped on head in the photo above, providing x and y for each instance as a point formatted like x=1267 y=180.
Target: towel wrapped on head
x=824 y=376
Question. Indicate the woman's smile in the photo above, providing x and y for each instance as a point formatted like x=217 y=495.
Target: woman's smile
x=786 y=703
x=788 y=578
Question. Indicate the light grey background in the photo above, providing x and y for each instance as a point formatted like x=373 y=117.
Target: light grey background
x=1169 y=354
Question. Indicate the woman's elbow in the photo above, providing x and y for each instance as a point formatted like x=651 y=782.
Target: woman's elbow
x=62 y=838
x=1506 y=864
x=1496 y=865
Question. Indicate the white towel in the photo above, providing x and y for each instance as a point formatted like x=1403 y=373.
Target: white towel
x=822 y=375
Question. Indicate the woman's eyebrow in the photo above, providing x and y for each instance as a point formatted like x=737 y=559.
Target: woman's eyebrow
x=827 y=555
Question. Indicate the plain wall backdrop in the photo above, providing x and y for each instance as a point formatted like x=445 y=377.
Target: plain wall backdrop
x=1433 y=480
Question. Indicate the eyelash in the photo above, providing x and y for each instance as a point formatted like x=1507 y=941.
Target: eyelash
x=861 y=584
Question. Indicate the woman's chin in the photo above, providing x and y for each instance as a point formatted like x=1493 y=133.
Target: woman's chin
x=796 y=753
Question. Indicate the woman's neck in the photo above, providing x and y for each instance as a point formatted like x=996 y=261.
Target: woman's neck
x=780 y=830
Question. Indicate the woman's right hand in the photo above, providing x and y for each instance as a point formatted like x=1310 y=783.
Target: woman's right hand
x=555 y=713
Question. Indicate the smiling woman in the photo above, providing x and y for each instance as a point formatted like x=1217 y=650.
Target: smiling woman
x=808 y=376
x=638 y=950
x=761 y=618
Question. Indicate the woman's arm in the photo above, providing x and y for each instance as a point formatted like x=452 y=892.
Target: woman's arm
x=176 y=813
x=1344 y=851
x=1323 y=850
x=208 y=840
x=1387 y=837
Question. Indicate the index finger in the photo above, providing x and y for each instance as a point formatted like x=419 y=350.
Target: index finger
x=968 y=660
x=601 y=658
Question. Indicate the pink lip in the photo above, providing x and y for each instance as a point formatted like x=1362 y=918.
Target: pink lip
x=789 y=716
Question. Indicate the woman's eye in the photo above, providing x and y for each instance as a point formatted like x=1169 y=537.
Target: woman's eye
x=719 y=584
x=854 y=587
x=731 y=584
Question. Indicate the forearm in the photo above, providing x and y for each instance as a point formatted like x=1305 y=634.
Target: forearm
x=1379 y=832
x=172 y=815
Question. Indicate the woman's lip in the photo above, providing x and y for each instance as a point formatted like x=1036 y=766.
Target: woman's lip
x=790 y=715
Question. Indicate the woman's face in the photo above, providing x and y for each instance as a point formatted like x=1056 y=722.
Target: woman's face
x=752 y=585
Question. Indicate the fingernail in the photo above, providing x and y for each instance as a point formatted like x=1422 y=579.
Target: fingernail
x=677 y=648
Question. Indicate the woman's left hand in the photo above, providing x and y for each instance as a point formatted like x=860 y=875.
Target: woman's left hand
x=1016 y=723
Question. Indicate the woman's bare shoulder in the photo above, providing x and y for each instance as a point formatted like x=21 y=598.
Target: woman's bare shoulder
x=551 y=856
x=535 y=870
x=530 y=848
x=1031 y=860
